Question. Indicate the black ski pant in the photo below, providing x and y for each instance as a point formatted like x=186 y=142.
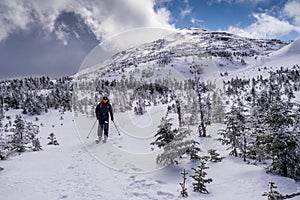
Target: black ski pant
x=103 y=127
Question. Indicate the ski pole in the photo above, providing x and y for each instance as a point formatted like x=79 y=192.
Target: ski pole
x=116 y=128
x=91 y=129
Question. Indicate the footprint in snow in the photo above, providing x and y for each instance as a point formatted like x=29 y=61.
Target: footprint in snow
x=167 y=195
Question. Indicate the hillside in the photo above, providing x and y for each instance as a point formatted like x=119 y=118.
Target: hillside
x=208 y=77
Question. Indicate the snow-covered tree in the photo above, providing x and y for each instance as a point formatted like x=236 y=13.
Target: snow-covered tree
x=36 y=144
x=283 y=139
x=234 y=133
x=18 y=141
x=272 y=194
x=214 y=155
x=204 y=107
x=52 y=139
x=165 y=134
x=24 y=133
x=179 y=147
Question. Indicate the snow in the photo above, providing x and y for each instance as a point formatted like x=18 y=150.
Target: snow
x=123 y=168
x=289 y=50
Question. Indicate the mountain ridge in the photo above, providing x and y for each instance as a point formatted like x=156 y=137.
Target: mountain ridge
x=186 y=43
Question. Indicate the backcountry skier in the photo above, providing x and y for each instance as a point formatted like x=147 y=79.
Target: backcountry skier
x=103 y=111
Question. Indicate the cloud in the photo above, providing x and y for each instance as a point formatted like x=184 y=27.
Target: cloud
x=272 y=24
x=186 y=11
x=196 y=21
x=104 y=18
x=265 y=26
x=14 y=16
x=291 y=9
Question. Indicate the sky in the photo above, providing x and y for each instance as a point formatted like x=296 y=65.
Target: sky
x=52 y=38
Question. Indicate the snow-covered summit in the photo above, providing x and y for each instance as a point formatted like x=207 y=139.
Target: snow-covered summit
x=185 y=47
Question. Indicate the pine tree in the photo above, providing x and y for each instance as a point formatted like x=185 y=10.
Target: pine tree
x=201 y=89
x=183 y=191
x=164 y=134
x=18 y=141
x=283 y=139
x=273 y=194
x=53 y=140
x=36 y=144
x=234 y=133
x=214 y=156
x=199 y=184
x=179 y=147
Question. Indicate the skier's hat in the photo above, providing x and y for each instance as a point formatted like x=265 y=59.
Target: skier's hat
x=105 y=98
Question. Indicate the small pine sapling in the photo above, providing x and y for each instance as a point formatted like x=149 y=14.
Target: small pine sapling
x=199 y=184
x=214 y=156
x=272 y=194
x=183 y=191
x=275 y=195
x=53 y=140
x=36 y=145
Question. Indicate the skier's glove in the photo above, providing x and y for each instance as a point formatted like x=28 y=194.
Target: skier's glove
x=112 y=119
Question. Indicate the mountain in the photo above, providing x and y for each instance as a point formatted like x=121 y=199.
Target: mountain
x=254 y=79
x=189 y=46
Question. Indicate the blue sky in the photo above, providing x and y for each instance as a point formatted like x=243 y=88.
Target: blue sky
x=39 y=37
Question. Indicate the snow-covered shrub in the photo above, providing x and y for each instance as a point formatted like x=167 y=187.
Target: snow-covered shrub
x=53 y=140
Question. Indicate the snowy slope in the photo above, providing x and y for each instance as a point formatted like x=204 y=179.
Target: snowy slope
x=72 y=171
x=287 y=57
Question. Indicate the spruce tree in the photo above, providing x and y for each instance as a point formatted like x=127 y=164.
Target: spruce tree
x=273 y=194
x=214 y=156
x=234 y=133
x=18 y=142
x=179 y=147
x=165 y=134
x=201 y=89
x=36 y=144
x=52 y=139
x=283 y=139
x=199 y=184
x=183 y=191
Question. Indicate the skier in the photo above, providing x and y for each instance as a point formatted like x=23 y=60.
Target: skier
x=103 y=110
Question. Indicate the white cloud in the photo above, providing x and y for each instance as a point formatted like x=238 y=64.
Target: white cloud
x=185 y=12
x=14 y=16
x=266 y=26
x=104 y=17
x=292 y=10
x=195 y=20
x=276 y=24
